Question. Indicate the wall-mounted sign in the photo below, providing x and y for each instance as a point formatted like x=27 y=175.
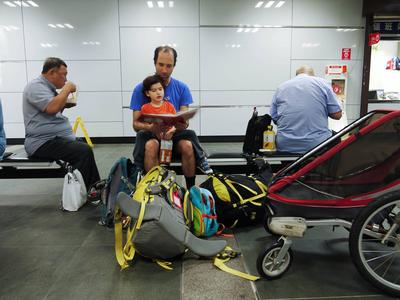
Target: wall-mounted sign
x=387 y=27
x=346 y=53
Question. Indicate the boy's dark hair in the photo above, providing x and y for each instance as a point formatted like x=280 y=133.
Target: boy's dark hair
x=149 y=81
x=52 y=62
x=164 y=49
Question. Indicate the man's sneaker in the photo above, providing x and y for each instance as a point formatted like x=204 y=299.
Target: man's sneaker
x=204 y=167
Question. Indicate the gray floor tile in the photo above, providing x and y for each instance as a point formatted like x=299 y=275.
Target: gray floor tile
x=28 y=272
x=92 y=273
x=321 y=267
x=202 y=280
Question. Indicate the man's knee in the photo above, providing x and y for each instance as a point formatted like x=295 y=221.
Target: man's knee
x=151 y=147
x=185 y=147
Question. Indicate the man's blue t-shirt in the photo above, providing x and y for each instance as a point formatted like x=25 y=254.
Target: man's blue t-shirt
x=300 y=109
x=176 y=92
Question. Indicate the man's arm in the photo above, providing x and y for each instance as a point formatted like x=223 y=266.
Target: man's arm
x=185 y=125
x=336 y=115
x=57 y=104
x=139 y=125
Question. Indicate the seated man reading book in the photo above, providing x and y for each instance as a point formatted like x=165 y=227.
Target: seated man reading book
x=177 y=93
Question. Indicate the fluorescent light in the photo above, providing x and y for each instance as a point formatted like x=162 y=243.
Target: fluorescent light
x=158 y=29
x=18 y=3
x=33 y=3
x=150 y=4
x=259 y=4
x=60 y=25
x=24 y=4
x=269 y=4
x=68 y=25
x=239 y=30
x=280 y=3
x=52 y=25
x=247 y=30
x=160 y=4
x=254 y=30
x=8 y=3
x=238 y=45
x=13 y=27
x=171 y=4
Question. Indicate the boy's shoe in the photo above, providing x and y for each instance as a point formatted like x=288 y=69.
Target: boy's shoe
x=204 y=166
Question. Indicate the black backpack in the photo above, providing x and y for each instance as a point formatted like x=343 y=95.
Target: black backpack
x=253 y=141
x=239 y=200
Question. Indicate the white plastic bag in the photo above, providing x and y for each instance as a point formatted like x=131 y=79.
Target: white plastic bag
x=74 y=191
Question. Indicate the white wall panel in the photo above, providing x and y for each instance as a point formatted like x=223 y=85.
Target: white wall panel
x=126 y=98
x=244 y=61
x=97 y=107
x=137 y=50
x=102 y=129
x=14 y=130
x=327 y=13
x=353 y=112
x=216 y=98
x=325 y=43
x=12 y=107
x=234 y=120
x=194 y=123
x=11 y=33
x=94 y=34
x=239 y=12
x=12 y=76
x=87 y=75
x=127 y=116
x=149 y=13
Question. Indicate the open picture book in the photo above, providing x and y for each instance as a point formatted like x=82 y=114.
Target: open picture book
x=169 y=119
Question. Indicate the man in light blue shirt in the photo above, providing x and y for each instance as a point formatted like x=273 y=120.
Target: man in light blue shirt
x=2 y=134
x=300 y=109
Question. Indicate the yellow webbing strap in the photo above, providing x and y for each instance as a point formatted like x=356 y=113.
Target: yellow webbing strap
x=79 y=121
x=251 y=199
x=118 y=238
x=187 y=212
x=225 y=256
x=126 y=253
x=164 y=264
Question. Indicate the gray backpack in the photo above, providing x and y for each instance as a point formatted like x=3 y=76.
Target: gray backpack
x=155 y=224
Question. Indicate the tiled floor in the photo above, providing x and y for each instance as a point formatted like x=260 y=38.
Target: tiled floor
x=49 y=254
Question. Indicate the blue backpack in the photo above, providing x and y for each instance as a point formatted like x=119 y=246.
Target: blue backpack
x=122 y=177
x=200 y=214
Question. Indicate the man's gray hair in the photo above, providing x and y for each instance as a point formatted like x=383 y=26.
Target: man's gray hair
x=305 y=70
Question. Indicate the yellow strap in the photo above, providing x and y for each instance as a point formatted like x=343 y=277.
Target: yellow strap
x=220 y=264
x=164 y=264
x=118 y=239
x=79 y=121
x=234 y=190
x=230 y=182
x=186 y=202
